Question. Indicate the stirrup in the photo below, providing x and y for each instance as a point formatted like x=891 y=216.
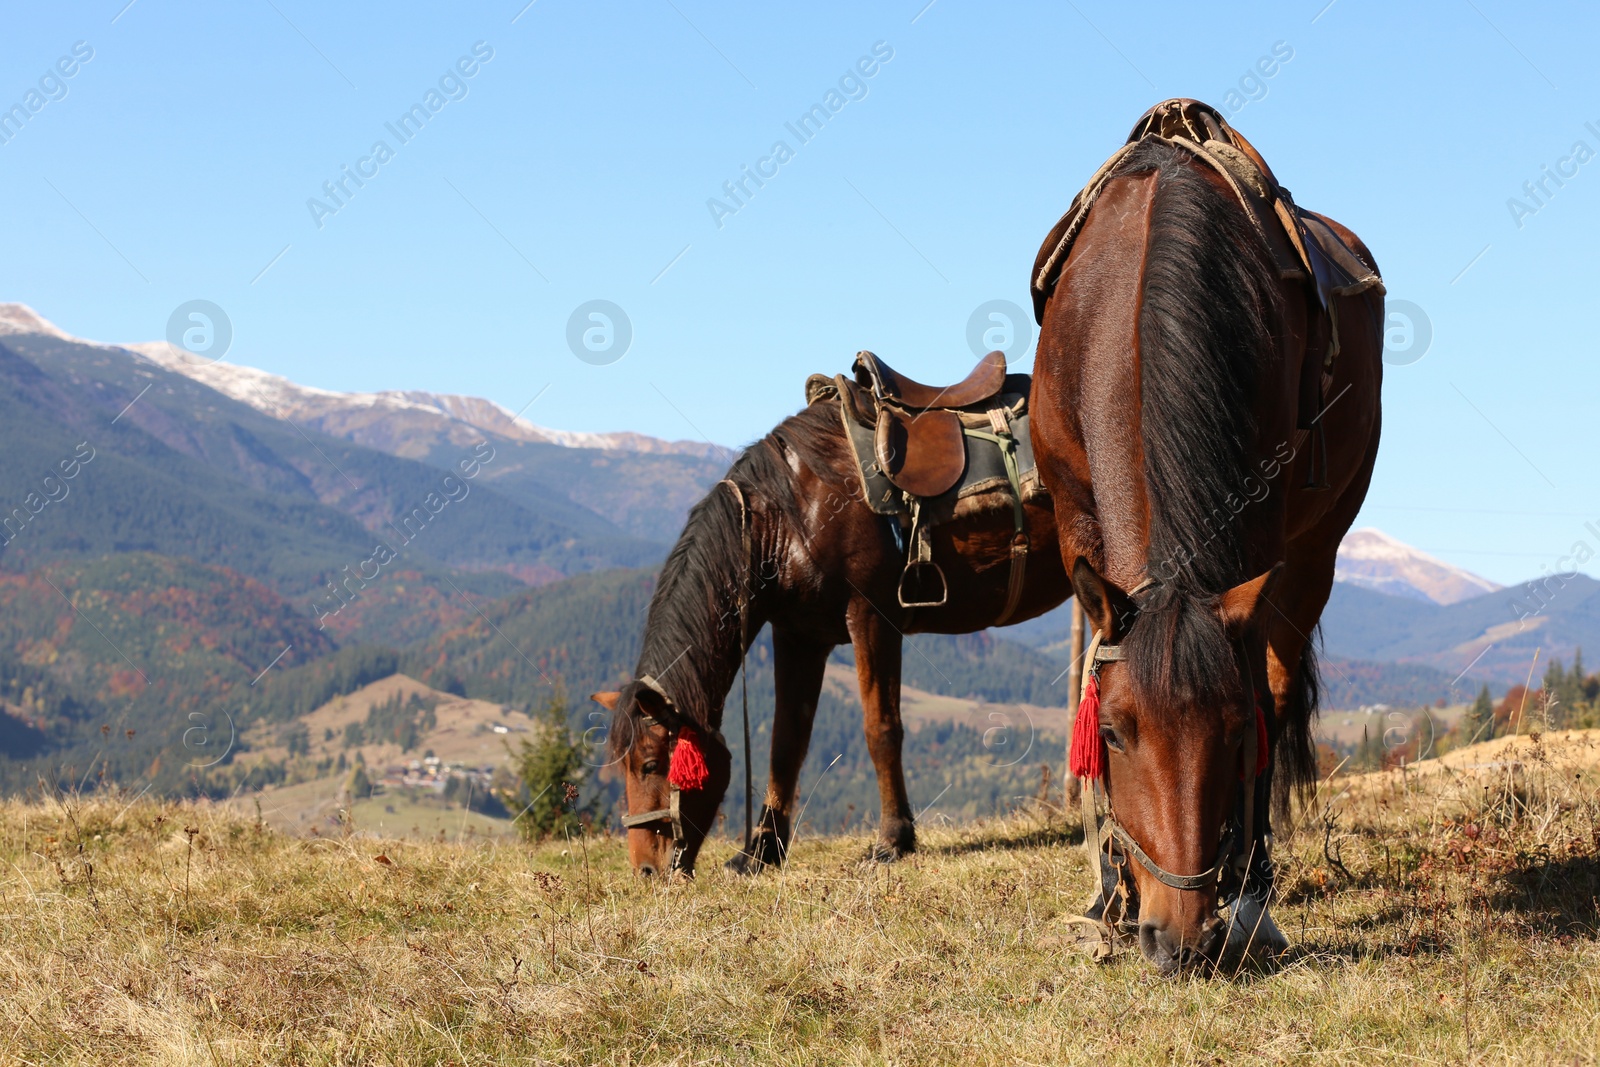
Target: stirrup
x=921 y=555
x=917 y=566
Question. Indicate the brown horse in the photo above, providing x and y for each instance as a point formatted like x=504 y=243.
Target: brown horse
x=788 y=536
x=1199 y=509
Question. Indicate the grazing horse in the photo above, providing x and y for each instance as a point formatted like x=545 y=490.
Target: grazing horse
x=1206 y=417
x=787 y=538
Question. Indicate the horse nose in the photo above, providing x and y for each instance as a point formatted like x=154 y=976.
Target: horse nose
x=1171 y=952
x=647 y=869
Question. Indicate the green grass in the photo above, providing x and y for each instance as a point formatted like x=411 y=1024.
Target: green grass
x=1447 y=917
x=397 y=815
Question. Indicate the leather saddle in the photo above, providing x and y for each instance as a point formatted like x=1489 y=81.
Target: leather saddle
x=917 y=434
x=922 y=451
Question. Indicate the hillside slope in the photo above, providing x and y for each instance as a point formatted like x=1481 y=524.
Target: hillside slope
x=1491 y=637
x=583 y=634
x=135 y=667
x=161 y=416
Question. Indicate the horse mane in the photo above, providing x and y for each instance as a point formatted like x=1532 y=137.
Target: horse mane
x=1206 y=321
x=691 y=635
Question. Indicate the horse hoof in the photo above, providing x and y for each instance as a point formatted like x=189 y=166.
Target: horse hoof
x=884 y=852
x=767 y=852
x=744 y=864
x=1253 y=936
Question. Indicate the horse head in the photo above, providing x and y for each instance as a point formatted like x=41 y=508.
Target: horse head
x=674 y=773
x=1179 y=680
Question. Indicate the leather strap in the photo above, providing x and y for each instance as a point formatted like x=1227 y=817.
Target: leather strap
x=879 y=492
x=744 y=653
x=656 y=687
x=1019 y=570
x=921 y=557
x=672 y=815
x=1204 y=880
x=667 y=814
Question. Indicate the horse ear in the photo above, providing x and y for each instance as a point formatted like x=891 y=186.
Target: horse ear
x=606 y=700
x=652 y=703
x=1104 y=605
x=1247 y=606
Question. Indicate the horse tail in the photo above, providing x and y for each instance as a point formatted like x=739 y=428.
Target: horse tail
x=1295 y=771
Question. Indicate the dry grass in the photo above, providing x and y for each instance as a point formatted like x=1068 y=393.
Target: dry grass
x=1436 y=920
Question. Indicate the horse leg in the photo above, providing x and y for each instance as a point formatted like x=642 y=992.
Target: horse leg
x=1292 y=675
x=797 y=666
x=1291 y=672
x=877 y=649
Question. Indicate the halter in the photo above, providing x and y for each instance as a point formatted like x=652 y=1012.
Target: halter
x=671 y=814
x=1098 y=833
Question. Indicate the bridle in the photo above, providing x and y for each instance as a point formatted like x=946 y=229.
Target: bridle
x=672 y=814
x=1233 y=847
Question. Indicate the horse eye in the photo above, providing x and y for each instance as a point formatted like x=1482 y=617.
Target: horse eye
x=649 y=767
x=1109 y=736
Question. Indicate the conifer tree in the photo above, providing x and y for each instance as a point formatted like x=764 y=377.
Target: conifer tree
x=1477 y=724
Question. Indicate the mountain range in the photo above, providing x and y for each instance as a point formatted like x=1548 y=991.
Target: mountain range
x=181 y=538
x=1403 y=647
x=295 y=461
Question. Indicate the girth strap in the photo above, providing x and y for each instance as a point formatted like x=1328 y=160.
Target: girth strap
x=1006 y=441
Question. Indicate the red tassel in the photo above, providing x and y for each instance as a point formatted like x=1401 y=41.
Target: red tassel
x=688 y=770
x=1263 y=755
x=1087 y=759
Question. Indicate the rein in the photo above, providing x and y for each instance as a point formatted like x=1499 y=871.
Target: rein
x=744 y=661
x=1087 y=761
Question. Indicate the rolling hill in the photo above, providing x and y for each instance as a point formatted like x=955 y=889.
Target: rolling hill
x=583 y=635
x=1491 y=637
x=133 y=665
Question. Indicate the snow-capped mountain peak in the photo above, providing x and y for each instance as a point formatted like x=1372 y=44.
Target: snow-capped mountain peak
x=20 y=318
x=365 y=417
x=1372 y=559
x=334 y=412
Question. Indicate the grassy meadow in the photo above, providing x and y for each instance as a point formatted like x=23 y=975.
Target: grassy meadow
x=1442 y=915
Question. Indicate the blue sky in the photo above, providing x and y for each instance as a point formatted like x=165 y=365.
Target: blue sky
x=577 y=162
